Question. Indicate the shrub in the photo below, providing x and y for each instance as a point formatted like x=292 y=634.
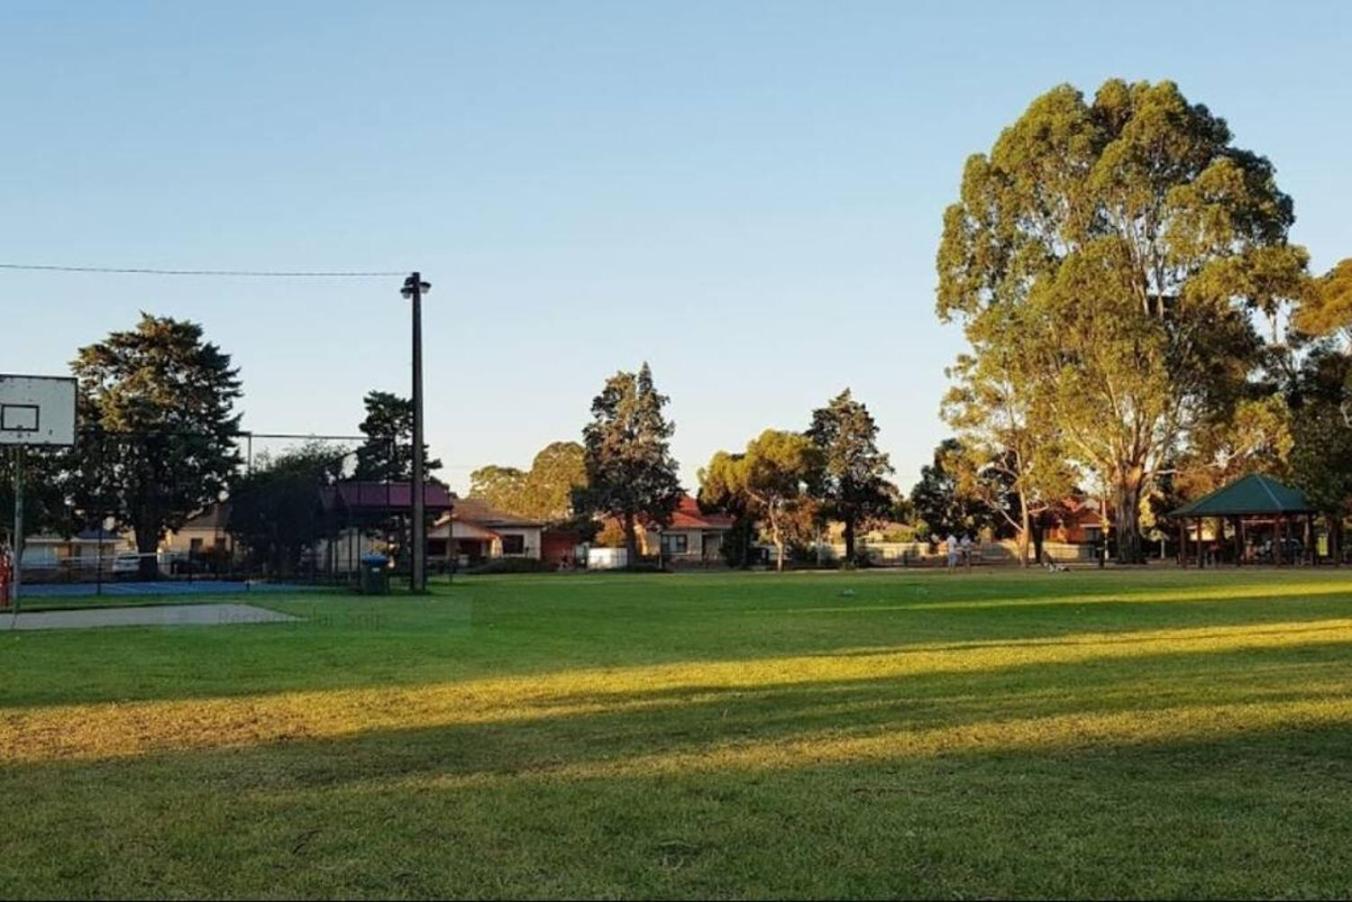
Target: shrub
x=510 y=565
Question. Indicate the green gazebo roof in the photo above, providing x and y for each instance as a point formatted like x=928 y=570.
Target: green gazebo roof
x=1253 y=494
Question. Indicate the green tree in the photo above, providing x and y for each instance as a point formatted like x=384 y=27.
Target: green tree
x=544 y=492
x=1327 y=307
x=1321 y=437
x=853 y=485
x=630 y=471
x=159 y=428
x=275 y=509
x=939 y=500
x=767 y=481
x=46 y=482
x=559 y=470
x=387 y=454
x=1136 y=244
x=502 y=487
x=1012 y=456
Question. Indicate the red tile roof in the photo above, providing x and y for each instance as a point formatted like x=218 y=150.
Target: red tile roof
x=687 y=516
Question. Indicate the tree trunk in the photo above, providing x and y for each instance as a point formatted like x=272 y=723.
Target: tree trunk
x=147 y=543
x=1039 y=526
x=849 y=540
x=1025 y=531
x=1128 y=517
x=778 y=539
x=630 y=541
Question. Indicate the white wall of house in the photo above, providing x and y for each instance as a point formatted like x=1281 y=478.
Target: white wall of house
x=523 y=541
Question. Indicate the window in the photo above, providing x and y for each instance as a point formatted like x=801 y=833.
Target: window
x=195 y=546
x=675 y=543
x=514 y=544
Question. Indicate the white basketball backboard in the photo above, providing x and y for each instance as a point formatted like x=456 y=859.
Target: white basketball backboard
x=37 y=410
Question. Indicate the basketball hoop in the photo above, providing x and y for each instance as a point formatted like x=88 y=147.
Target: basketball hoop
x=35 y=411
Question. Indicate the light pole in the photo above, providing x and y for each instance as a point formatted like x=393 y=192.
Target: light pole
x=414 y=288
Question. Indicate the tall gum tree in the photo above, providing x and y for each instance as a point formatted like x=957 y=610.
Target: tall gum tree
x=767 y=481
x=1139 y=246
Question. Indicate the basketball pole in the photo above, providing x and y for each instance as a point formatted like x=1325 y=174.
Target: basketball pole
x=19 y=461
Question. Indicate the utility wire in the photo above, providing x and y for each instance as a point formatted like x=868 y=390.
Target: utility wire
x=228 y=273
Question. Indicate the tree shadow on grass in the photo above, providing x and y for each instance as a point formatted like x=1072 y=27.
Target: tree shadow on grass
x=493 y=810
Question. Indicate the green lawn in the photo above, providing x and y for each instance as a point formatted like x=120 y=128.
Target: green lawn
x=914 y=734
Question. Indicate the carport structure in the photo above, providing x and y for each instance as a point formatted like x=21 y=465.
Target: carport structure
x=1255 y=505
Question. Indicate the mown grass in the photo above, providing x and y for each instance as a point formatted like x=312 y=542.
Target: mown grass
x=998 y=733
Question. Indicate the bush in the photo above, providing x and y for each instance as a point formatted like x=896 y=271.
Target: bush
x=510 y=565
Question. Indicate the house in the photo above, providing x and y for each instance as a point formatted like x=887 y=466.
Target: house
x=477 y=532
x=1076 y=520
x=204 y=535
x=55 y=557
x=692 y=537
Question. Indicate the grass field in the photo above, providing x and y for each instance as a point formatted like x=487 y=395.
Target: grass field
x=989 y=734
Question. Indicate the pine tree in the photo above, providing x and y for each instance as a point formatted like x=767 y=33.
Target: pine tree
x=631 y=474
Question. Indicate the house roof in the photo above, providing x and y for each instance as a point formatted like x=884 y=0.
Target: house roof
x=379 y=496
x=217 y=516
x=688 y=516
x=476 y=510
x=1252 y=494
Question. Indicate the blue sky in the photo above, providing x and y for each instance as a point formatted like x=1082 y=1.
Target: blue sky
x=747 y=195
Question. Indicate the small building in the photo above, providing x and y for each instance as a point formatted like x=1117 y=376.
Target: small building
x=1268 y=523
x=358 y=513
x=473 y=532
x=1077 y=520
x=203 y=536
x=692 y=536
x=68 y=557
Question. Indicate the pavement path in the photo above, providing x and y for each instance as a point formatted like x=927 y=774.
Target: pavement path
x=150 y=615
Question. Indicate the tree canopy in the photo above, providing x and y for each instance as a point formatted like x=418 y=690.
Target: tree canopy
x=159 y=441
x=275 y=509
x=627 y=455
x=1130 y=245
x=544 y=492
x=387 y=454
x=852 y=486
x=767 y=481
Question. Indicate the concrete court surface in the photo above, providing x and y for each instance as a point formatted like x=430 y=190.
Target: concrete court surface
x=151 y=615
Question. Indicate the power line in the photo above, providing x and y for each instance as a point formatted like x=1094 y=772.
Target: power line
x=226 y=273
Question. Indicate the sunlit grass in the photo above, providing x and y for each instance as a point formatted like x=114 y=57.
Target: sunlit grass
x=1095 y=734
x=112 y=730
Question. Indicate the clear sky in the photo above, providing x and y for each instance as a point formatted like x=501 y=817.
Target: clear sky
x=747 y=195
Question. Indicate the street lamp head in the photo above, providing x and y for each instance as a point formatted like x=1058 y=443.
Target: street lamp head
x=407 y=290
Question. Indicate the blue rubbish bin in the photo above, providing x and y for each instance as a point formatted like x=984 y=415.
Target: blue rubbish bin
x=375 y=574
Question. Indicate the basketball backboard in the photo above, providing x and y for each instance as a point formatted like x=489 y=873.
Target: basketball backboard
x=37 y=410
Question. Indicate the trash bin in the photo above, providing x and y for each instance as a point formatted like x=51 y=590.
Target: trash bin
x=375 y=574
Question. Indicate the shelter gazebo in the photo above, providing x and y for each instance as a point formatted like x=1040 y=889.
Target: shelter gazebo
x=1253 y=505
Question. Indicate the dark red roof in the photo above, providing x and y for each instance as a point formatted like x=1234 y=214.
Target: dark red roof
x=687 y=516
x=368 y=496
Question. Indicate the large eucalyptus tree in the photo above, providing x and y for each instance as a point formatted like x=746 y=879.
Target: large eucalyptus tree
x=1138 y=247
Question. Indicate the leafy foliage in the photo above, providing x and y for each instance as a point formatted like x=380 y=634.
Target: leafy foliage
x=274 y=510
x=1128 y=243
x=852 y=486
x=629 y=468
x=157 y=406
x=387 y=455
x=768 y=481
x=940 y=500
x=545 y=492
